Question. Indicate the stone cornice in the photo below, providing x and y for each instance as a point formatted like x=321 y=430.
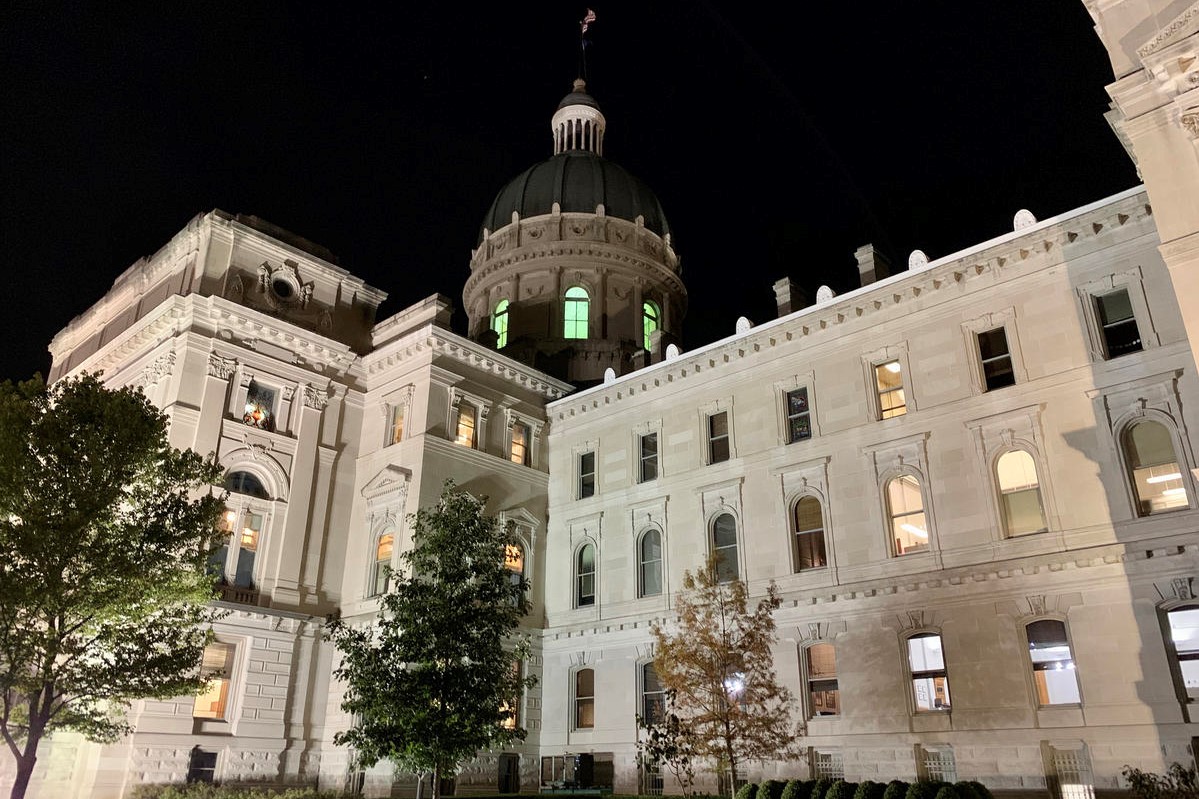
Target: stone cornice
x=442 y=342
x=1031 y=249
x=1185 y=23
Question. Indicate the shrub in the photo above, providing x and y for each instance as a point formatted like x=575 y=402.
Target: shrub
x=1178 y=782
x=926 y=789
x=870 y=790
x=896 y=789
x=948 y=792
x=747 y=791
x=199 y=790
x=820 y=788
x=798 y=789
x=966 y=790
x=983 y=791
x=841 y=790
x=771 y=789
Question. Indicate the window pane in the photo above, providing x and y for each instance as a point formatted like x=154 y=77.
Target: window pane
x=575 y=313
x=520 y=444
x=996 y=360
x=1120 y=333
x=799 y=425
x=807 y=515
x=724 y=546
x=1184 y=634
x=992 y=343
x=889 y=381
x=260 y=406
x=931 y=693
x=822 y=661
x=1022 y=512
x=924 y=653
x=810 y=550
x=651 y=563
x=1156 y=476
x=216 y=665
x=649 y=457
x=909 y=528
x=724 y=531
x=465 y=434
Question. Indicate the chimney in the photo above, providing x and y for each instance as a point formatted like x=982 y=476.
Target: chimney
x=872 y=264
x=789 y=296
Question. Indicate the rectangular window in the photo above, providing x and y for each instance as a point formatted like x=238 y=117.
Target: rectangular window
x=718 y=437
x=584 y=699
x=824 y=697
x=827 y=765
x=520 y=444
x=930 y=684
x=996 y=359
x=397 y=424
x=247 y=549
x=586 y=475
x=201 y=766
x=1184 y=636
x=1072 y=776
x=465 y=434
x=260 y=406
x=216 y=667
x=648 y=446
x=1117 y=324
x=888 y=378
x=799 y=422
x=937 y=763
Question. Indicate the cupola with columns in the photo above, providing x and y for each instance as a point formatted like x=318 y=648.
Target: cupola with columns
x=575 y=272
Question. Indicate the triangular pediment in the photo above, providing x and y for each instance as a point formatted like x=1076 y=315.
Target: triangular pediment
x=391 y=479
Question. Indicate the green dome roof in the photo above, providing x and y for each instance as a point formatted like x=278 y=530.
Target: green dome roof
x=578 y=181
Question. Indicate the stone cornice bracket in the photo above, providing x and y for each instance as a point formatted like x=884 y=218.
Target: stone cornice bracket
x=160 y=368
x=315 y=397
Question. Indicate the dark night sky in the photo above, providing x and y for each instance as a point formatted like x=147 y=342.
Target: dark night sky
x=777 y=143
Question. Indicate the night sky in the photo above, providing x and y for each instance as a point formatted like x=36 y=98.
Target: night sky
x=777 y=143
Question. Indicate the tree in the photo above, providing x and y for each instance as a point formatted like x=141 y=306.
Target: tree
x=104 y=529
x=436 y=677
x=719 y=664
x=668 y=741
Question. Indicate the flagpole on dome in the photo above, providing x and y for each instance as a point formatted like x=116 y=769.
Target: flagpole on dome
x=584 y=24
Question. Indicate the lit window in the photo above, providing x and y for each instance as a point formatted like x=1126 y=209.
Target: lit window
x=1184 y=639
x=396 y=433
x=247 y=549
x=1020 y=493
x=888 y=379
x=905 y=505
x=380 y=576
x=1156 y=476
x=799 y=421
x=585 y=576
x=1073 y=777
x=996 y=359
x=930 y=684
x=1052 y=663
x=514 y=562
x=243 y=533
x=576 y=309
x=260 y=406
x=809 y=534
x=511 y=710
x=586 y=475
x=718 y=437
x=499 y=323
x=724 y=546
x=519 y=450
x=648 y=458
x=653 y=696
x=467 y=417
x=584 y=699
x=1117 y=324
x=216 y=668
x=824 y=697
x=649 y=571
x=651 y=320
x=246 y=483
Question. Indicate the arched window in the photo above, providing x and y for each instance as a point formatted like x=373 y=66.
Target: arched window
x=584 y=699
x=724 y=546
x=499 y=323
x=585 y=576
x=1184 y=639
x=1154 y=472
x=820 y=668
x=809 y=534
x=926 y=665
x=905 y=508
x=514 y=562
x=1052 y=663
x=380 y=579
x=649 y=564
x=651 y=320
x=246 y=483
x=1020 y=493
x=653 y=696
x=576 y=310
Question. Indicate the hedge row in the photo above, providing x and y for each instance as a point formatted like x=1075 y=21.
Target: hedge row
x=840 y=789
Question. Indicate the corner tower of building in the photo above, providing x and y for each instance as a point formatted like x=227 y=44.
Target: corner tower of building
x=575 y=272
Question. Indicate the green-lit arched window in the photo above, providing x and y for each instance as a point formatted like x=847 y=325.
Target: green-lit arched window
x=499 y=323
x=651 y=319
x=576 y=309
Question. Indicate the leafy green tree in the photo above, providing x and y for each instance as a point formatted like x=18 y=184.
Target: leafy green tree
x=719 y=662
x=104 y=529
x=436 y=677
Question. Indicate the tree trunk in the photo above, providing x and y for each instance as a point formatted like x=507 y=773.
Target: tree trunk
x=420 y=784
x=732 y=772
x=25 y=764
x=437 y=781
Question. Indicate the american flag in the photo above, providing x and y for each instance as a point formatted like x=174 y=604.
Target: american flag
x=587 y=20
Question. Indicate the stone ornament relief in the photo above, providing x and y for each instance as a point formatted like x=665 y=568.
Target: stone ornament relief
x=221 y=368
x=315 y=398
x=162 y=366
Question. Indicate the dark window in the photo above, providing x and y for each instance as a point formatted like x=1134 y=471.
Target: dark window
x=724 y=545
x=718 y=437
x=996 y=359
x=585 y=577
x=799 y=422
x=201 y=766
x=584 y=699
x=1117 y=323
x=809 y=535
x=586 y=475
x=649 y=457
x=246 y=483
x=650 y=564
x=653 y=697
